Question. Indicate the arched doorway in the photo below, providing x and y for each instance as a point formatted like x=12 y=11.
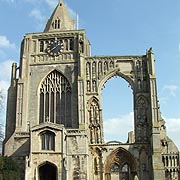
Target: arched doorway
x=120 y=165
x=47 y=171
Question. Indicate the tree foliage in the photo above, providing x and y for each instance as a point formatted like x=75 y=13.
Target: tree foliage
x=9 y=169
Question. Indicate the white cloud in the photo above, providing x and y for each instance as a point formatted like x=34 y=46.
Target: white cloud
x=5 y=43
x=72 y=13
x=9 y=1
x=5 y=74
x=36 y=13
x=51 y=3
x=5 y=69
x=173 y=129
x=172 y=89
x=118 y=128
x=173 y=125
x=4 y=85
x=39 y=17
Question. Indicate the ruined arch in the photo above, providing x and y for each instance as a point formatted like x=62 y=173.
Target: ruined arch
x=134 y=71
x=122 y=163
x=117 y=109
x=112 y=74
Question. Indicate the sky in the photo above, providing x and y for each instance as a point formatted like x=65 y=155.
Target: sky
x=118 y=27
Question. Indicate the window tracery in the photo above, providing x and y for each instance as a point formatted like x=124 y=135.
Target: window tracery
x=115 y=168
x=48 y=140
x=125 y=168
x=55 y=100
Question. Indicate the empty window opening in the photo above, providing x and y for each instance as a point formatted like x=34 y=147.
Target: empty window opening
x=117 y=105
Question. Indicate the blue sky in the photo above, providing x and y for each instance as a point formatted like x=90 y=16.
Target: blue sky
x=118 y=27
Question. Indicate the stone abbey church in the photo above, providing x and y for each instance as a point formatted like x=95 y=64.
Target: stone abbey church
x=54 y=126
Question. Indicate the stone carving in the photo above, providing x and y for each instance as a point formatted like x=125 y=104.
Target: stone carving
x=95 y=70
x=81 y=45
x=76 y=165
x=141 y=119
x=94 y=122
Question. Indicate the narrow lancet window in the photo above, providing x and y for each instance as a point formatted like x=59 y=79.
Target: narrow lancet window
x=41 y=48
x=56 y=24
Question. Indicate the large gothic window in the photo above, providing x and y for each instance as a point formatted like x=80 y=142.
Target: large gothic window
x=55 y=100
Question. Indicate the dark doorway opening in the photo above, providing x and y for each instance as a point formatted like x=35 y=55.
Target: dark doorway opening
x=47 y=172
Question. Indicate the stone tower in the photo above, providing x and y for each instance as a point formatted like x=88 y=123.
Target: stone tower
x=54 y=126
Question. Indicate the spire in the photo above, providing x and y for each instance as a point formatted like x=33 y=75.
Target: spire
x=60 y=19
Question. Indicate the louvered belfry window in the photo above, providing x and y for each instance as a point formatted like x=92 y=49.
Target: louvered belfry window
x=55 y=99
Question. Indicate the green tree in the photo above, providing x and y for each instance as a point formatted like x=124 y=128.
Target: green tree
x=9 y=169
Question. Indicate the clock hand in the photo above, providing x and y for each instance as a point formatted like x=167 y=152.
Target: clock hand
x=54 y=47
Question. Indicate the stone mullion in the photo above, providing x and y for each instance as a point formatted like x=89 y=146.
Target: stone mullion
x=176 y=162
x=81 y=102
x=49 y=104
x=55 y=104
x=96 y=76
x=68 y=46
x=101 y=125
x=90 y=75
x=65 y=107
x=60 y=100
x=19 y=105
x=44 y=118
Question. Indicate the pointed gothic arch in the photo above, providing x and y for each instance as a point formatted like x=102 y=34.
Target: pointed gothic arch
x=115 y=73
x=47 y=171
x=55 y=99
x=120 y=164
x=117 y=107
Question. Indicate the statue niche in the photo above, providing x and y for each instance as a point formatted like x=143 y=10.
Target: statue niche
x=141 y=119
x=94 y=114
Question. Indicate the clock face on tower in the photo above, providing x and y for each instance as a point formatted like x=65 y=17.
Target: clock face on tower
x=55 y=47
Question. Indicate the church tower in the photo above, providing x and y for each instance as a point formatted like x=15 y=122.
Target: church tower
x=54 y=124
